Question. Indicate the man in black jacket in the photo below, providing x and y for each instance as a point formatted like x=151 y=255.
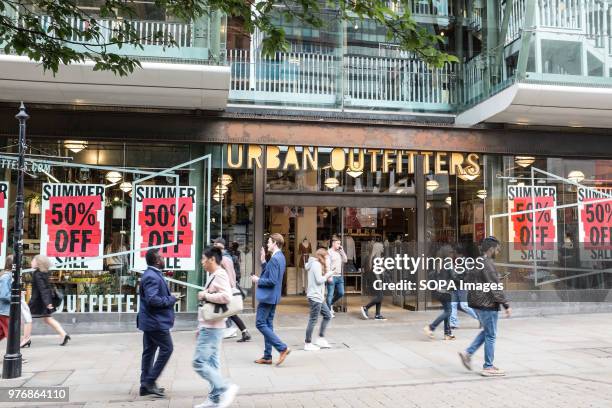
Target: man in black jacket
x=486 y=305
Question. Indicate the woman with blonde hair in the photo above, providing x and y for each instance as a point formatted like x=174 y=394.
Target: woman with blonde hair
x=41 y=302
x=318 y=274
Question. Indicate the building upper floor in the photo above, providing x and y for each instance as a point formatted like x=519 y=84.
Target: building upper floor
x=519 y=61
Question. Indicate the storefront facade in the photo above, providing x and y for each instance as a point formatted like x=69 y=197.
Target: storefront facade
x=384 y=189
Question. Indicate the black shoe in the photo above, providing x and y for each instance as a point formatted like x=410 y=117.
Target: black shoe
x=151 y=390
x=66 y=339
x=380 y=317
x=27 y=344
x=246 y=336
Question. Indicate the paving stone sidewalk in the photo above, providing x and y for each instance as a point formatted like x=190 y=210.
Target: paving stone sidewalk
x=560 y=361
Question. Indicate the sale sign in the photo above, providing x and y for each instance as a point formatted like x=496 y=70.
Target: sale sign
x=595 y=223
x=164 y=215
x=73 y=225
x=4 y=188
x=532 y=236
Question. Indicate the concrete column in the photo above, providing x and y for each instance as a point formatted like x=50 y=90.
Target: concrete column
x=198 y=178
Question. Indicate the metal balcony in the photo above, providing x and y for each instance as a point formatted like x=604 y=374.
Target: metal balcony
x=180 y=77
x=351 y=82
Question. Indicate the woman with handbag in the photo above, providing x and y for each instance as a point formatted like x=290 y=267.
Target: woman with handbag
x=217 y=292
x=44 y=298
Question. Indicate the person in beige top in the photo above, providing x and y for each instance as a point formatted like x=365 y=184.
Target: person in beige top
x=210 y=333
x=227 y=263
x=335 y=287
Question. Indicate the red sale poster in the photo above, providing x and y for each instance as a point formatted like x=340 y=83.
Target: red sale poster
x=73 y=225
x=166 y=215
x=595 y=223
x=4 y=188
x=532 y=236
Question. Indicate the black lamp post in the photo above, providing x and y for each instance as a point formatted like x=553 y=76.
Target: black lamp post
x=12 y=359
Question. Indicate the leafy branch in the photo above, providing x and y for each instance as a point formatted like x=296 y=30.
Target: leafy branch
x=55 y=32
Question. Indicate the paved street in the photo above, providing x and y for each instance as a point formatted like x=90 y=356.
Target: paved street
x=560 y=361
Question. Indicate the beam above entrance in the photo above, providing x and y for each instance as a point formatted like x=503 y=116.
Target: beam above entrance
x=320 y=199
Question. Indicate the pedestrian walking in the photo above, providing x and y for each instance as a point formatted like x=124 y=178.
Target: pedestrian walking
x=155 y=319
x=487 y=306
x=379 y=294
x=337 y=258
x=268 y=295
x=318 y=274
x=459 y=296
x=443 y=276
x=206 y=360
x=26 y=320
x=44 y=296
x=6 y=281
x=227 y=263
x=26 y=316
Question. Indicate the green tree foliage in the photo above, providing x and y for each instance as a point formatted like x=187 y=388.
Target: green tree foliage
x=55 y=32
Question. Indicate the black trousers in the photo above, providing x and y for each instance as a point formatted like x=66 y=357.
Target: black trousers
x=151 y=342
x=238 y=322
x=376 y=301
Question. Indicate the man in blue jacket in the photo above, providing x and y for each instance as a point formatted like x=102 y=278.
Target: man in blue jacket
x=268 y=295
x=155 y=319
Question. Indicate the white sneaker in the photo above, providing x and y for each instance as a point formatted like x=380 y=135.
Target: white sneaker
x=323 y=343
x=228 y=397
x=332 y=313
x=310 y=347
x=229 y=333
x=207 y=404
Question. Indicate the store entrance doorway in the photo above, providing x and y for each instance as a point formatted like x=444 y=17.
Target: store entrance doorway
x=366 y=233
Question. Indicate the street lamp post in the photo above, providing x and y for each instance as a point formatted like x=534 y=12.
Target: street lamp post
x=12 y=359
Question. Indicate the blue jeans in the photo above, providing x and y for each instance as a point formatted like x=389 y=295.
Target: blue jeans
x=151 y=368
x=317 y=309
x=264 y=320
x=443 y=317
x=206 y=361
x=335 y=290
x=488 y=319
x=460 y=302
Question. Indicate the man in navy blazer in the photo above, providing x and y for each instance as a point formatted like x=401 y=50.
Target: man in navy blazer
x=268 y=295
x=155 y=319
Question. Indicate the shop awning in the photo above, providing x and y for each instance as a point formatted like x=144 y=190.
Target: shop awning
x=537 y=104
x=156 y=84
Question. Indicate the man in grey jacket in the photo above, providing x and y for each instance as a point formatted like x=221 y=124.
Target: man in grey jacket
x=486 y=304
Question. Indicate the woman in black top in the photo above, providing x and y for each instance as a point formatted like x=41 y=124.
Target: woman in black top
x=41 y=301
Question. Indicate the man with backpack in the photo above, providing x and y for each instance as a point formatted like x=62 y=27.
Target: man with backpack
x=487 y=306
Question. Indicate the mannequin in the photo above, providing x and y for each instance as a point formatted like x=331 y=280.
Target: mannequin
x=349 y=247
x=304 y=250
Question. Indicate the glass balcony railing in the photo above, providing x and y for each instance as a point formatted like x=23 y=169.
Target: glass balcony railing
x=434 y=8
x=190 y=41
x=324 y=80
x=565 y=42
x=572 y=42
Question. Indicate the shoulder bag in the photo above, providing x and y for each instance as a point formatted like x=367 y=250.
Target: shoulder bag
x=210 y=311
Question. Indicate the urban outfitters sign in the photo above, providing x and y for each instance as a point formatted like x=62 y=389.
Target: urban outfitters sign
x=350 y=159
